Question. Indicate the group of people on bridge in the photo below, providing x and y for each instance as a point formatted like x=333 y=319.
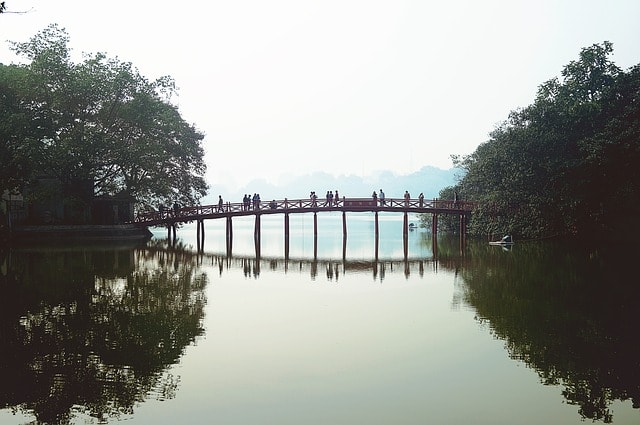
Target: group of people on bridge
x=169 y=211
x=332 y=199
x=250 y=202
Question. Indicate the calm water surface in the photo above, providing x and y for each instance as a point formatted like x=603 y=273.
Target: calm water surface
x=543 y=333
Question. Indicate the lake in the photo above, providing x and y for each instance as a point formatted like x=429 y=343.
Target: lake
x=335 y=333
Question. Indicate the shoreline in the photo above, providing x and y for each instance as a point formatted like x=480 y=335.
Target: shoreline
x=74 y=233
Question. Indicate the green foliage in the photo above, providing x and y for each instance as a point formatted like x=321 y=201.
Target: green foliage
x=18 y=146
x=98 y=119
x=566 y=164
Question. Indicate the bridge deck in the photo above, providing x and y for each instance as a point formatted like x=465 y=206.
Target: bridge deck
x=286 y=206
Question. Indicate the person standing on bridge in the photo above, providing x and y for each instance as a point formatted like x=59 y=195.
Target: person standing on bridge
x=220 y=203
x=421 y=199
x=336 y=198
x=407 y=197
x=382 y=202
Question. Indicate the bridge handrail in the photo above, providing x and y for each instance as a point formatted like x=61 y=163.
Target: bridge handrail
x=193 y=212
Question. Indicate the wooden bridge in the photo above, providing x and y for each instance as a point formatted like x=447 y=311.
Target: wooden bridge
x=173 y=216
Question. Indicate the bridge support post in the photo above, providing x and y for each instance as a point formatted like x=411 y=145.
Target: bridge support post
x=229 y=236
x=405 y=234
x=344 y=235
x=315 y=224
x=376 y=225
x=198 y=234
x=376 y=235
x=434 y=235
x=434 y=224
x=256 y=234
x=344 y=225
x=315 y=235
x=286 y=236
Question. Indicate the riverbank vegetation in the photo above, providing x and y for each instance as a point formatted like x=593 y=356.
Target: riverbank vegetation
x=568 y=163
x=96 y=120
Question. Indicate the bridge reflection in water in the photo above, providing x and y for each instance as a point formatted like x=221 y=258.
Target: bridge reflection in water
x=331 y=269
x=174 y=217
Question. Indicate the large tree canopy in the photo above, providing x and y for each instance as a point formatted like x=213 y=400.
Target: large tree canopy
x=566 y=164
x=96 y=120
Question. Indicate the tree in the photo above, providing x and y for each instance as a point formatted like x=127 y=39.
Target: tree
x=547 y=169
x=101 y=120
x=18 y=146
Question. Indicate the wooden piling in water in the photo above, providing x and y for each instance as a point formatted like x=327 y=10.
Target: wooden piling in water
x=286 y=236
x=434 y=224
x=256 y=234
x=405 y=234
x=229 y=236
x=315 y=224
x=344 y=225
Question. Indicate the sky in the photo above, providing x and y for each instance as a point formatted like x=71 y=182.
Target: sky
x=285 y=88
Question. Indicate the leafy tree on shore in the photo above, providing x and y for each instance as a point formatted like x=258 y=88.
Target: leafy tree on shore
x=98 y=120
x=18 y=146
x=566 y=164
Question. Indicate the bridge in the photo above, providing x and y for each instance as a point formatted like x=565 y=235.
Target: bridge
x=173 y=216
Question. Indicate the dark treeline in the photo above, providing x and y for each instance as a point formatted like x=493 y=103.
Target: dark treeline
x=568 y=163
x=96 y=121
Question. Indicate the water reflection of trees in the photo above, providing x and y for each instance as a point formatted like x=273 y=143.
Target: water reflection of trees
x=570 y=313
x=92 y=331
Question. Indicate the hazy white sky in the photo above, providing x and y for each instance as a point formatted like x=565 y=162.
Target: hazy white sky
x=287 y=87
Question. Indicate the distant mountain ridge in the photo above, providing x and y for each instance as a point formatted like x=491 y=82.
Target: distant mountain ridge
x=428 y=180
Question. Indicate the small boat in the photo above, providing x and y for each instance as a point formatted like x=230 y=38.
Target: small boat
x=506 y=240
